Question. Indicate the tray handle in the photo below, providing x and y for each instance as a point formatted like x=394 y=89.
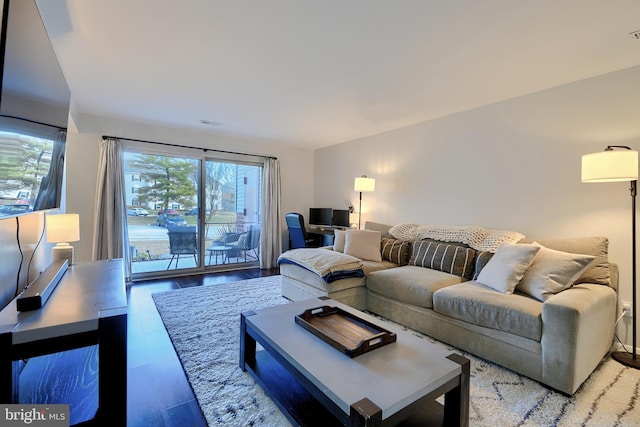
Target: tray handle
x=375 y=341
x=323 y=311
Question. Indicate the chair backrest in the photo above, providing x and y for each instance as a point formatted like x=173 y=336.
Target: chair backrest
x=183 y=240
x=297 y=232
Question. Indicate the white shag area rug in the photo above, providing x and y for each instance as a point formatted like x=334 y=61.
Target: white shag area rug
x=204 y=326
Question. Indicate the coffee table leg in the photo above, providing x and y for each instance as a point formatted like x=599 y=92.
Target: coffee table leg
x=247 y=343
x=456 y=401
x=365 y=413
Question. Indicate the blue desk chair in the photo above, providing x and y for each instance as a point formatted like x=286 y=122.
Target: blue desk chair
x=298 y=237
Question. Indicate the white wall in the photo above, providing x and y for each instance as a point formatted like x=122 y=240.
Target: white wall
x=511 y=165
x=82 y=164
x=24 y=255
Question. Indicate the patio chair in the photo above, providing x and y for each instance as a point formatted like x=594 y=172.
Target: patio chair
x=182 y=241
x=244 y=242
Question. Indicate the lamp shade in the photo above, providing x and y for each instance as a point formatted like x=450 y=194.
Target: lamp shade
x=363 y=184
x=610 y=166
x=63 y=228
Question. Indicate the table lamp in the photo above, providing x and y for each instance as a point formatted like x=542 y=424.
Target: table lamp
x=619 y=163
x=363 y=184
x=62 y=229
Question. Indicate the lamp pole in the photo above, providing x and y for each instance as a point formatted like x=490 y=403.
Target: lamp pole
x=622 y=356
x=612 y=166
x=360 y=212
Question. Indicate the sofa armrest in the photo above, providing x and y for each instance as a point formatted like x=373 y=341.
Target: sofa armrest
x=577 y=331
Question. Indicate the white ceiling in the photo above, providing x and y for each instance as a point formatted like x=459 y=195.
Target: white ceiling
x=316 y=73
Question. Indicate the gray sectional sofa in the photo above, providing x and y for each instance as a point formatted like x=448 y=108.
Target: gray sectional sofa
x=557 y=338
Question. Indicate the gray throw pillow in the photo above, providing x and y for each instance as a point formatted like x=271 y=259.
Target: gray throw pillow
x=482 y=258
x=448 y=257
x=507 y=266
x=395 y=250
x=553 y=271
x=598 y=272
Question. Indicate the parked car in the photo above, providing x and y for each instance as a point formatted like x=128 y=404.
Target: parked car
x=192 y=211
x=14 y=209
x=137 y=212
x=169 y=211
x=171 y=220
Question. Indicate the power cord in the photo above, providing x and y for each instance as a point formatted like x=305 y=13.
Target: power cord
x=35 y=249
x=624 y=312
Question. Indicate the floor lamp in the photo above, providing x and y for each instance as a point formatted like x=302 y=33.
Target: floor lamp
x=363 y=184
x=619 y=163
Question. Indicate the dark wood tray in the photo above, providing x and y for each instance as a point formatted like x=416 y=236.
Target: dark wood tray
x=344 y=331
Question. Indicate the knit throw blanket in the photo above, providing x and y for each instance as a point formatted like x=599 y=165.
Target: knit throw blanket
x=477 y=238
x=325 y=263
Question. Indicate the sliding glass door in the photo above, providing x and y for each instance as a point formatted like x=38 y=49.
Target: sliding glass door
x=160 y=193
x=191 y=214
x=232 y=216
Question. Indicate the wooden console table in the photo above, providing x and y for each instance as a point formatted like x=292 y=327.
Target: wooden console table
x=88 y=307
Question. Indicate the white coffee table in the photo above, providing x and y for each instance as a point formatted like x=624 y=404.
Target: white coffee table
x=313 y=382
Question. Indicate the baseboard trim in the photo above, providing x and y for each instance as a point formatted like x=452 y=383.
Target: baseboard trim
x=619 y=347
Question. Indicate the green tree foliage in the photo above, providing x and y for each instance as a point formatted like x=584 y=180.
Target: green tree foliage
x=169 y=179
x=26 y=162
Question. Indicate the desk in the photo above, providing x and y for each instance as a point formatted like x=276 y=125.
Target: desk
x=88 y=307
x=324 y=235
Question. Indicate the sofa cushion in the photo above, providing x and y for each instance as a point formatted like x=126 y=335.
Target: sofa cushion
x=410 y=284
x=363 y=244
x=552 y=271
x=598 y=273
x=338 y=240
x=395 y=250
x=507 y=266
x=448 y=257
x=477 y=304
x=370 y=266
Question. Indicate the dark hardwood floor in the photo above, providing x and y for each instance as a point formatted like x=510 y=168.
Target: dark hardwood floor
x=158 y=391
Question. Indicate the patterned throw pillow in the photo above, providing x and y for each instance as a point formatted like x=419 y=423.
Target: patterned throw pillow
x=447 y=257
x=482 y=258
x=394 y=250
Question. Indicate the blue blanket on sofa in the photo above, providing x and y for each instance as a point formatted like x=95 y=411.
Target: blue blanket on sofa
x=327 y=264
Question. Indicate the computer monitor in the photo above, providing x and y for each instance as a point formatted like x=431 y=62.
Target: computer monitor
x=341 y=218
x=320 y=216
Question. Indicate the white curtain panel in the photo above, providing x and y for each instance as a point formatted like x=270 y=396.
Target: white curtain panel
x=110 y=221
x=271 y=226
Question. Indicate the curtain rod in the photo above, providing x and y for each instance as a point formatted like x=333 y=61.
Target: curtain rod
x=32 y=121
x=187 y=146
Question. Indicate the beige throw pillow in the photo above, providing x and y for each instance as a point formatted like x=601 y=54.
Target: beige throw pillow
x=338 y=240
x=553 y=271
x=363 y=244
x=507 y=266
